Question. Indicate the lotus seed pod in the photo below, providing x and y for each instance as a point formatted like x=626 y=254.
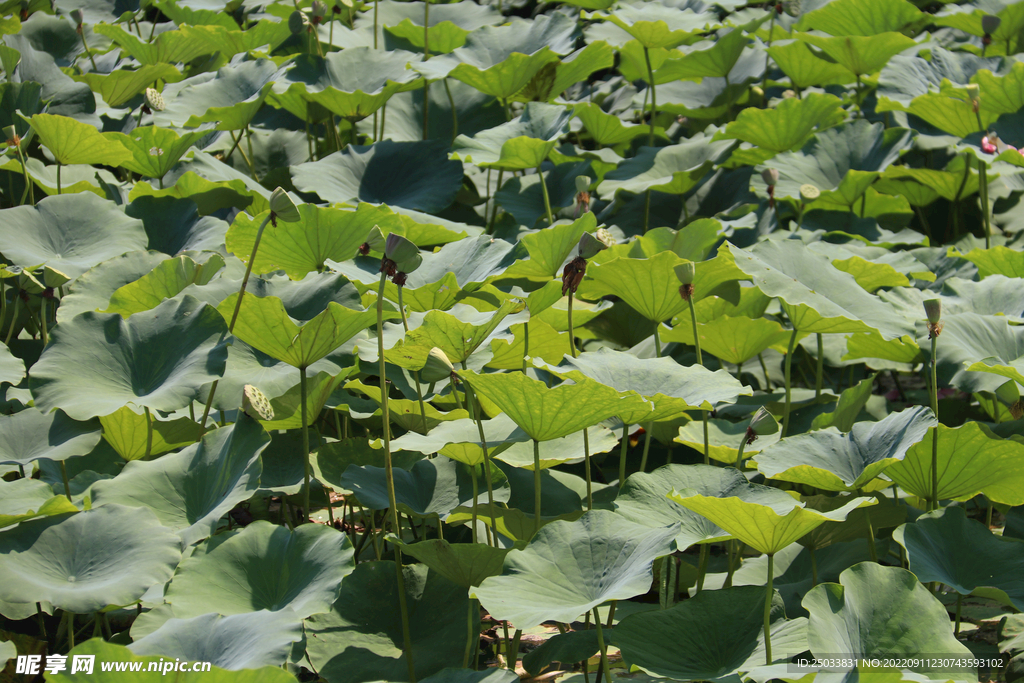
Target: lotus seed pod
x=318 y=10
x=686 y=272
x=10 y=132
x=296 y=22
x=154 y=100
x=974 y=92
x=282 y=206
x=590 y=246
x=375 y=241
x=990 y=23
x=409 y=265
x=770 y=176
x=582 y=183
x=809 y=192
x=437 y=366
x=791 y=7
x=763 y=422
x=399 y=249
x=77 y=17
x=255 y=404
x=605 y=237
x=933 y=309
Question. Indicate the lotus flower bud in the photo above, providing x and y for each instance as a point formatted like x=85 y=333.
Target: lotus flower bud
x=686 y=271
x=973 y=92
x=437 y=366
x=318 y=10
x=770 y=176
x=11 y=136
x=154 y=100
x=762 y=423
x=788 y=94
x=809 y=192
x=282 y=206
x=933 y=309
x=582 y=183
x=990 y=24
x=590 y=246
x=255 y=404
x=296 y=22
x=399 y=249
x=77 y=17
x=605 y=237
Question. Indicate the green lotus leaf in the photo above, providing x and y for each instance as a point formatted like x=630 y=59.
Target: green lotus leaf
x=714 y=62
x=805 y=68
x=119 y=87
x=264 y=324
x=566 y=449
x=765 y=527
x=571 y=567
x=473 y=261
x=692 y=242
x=18 y=97
x=836 y=462
x=68 y=560
x=229 y=41
x=464 y=564
x=32 y=434
x=157 y=359
x=169 y=47
x=498 y=430
x=198 y=485
x=997 y=260
x=522 y=143
x=457 y=338
x=237 y=642
x=361 y=640
x=872 y=275
x=288 y=406
x=72 y=142
x=789 y=125
x=405 y=412
x=512 y=523
x=885 y=515
x=555 y=77
x=26 y=498
x=851 y=402
x=413 y=175
x=165 y=281
x=971 y=460
x=658 y=25
x=229 y=99
x=906 y=77
x=962 y=553
x=93 y=289
x=644 y=499
x=546 y=344
x=448 y=25
x=175 y=226
x=127 y=432
x=672 y=388
x=872 y=345
x=548 y=413
x=862 y=55
x=549 y=249
x=707 y=638
x=853 y=18
x=573 y=646
x=734 y=340
x=523 y=197
x=975 y=344
x=155 y=151
x=209 y=196
x=70 y=234
x=263 y=566
x=724 y=438
x=675 y=169
x=431 y=487
x=809 y=287
x=650 y=285
x=877 y=611
x=608 y=130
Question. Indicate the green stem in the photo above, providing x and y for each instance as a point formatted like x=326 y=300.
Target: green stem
x=702 y=567
x=572 y=340
x=789 y=369
x=64 y=476
x=526 y=341
x=700 y=361
x=14 y=316
x=654 y=104
x=415 y=373
x=494 y=209
x=473 y=635
x=648 y=429
x=305 y=442
x=149 y=433
x=764 y=369
x=375 y=35
x=455 y=114
x=820 y=367
x=513 y=651
x=89 y=52
x=739 y=454
x=814 y=567
x=487 y=458
x=29 y=185
x=536 y=484
x=959 y=603
x=251 y=157
x=547 y=200
x=586 y=469
x=622 y=455
x=388 y=471
x=603 y=648
x=768 y=44
x=42 y=320
x=935 y=436
x=58 y=177
x=476 y=497
x=768 y=609
x=983 y=195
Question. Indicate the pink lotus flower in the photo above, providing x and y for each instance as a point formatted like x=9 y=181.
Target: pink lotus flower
x=991 y=144
x=987 y=146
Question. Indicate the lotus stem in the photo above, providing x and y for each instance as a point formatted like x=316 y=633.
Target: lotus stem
x=935 y=437
x=455 y=124
x=305 y=442
x=768 y=610
x=586 y=470
x=526 y=342
x=58 y=178
x=789 y=383
x=29 y=185
x=814 y=567
x=654 y=102
x=648 y=429
x=820 y=366
x=959 y=603
x=536 y=484
x=67 y=482
x=622 y=455
x=768 y=44
x=764 y=369
x=42 y=320
x=494 y=214
x=572 y=336
x=513 y=652
x=487 y=461
x=87 y=50
x=702 y=567
x=604 y=649
x=476 y=500
x=14 y=316
x=388 y=471
x=415 y=373
x=700 y=361
x=375 y=44
x=547 y=200
x=983 y=186
x=872 y=551
x=149 y=432
x=473 y=635
x=739 y=454
x=248 y=144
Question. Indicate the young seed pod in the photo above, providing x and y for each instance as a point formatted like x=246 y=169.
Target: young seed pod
x=990 y=24
x=407 y=266
x=11 y=136
x=605 y=237
x=77 y=16
x=437 y=367
x=933 y=310
x=296 y=22
x=770 y=176
x=374 y=242
x=318 y=10
x=399 y=249
x=590 y=246
x=282 y=206
x=809 y=192
x=154 y=100
x=582 y=183
x=686 y=271
x=255 y=404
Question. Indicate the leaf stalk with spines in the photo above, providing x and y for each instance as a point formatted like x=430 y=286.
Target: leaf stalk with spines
x=478 y=417
x=686 y=272
x=789 y=382
x=933 y=312
x=768 y=610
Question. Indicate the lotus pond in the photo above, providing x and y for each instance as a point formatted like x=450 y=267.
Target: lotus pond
x=578 y=342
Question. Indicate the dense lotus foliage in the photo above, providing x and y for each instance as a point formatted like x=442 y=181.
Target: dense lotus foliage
x=586 y=340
